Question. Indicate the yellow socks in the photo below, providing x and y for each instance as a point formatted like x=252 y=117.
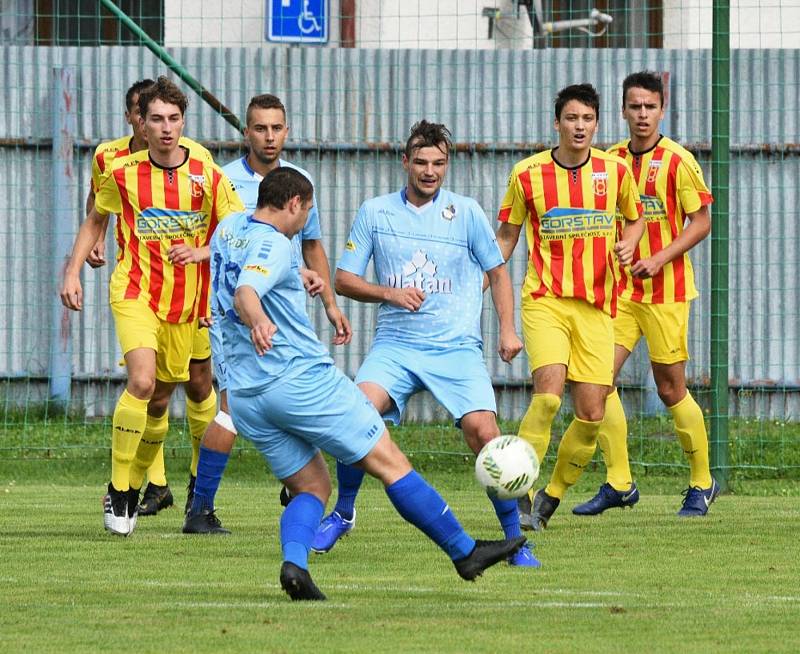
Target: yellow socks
x=199 y=415
x=130 y=418
x=535 y=425
x=691 y=430
x=613 y=440
x=152 y=440
x=574 y=454
x=156 y=473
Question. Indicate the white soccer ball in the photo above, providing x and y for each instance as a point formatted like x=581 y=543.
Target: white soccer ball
x=506 y=467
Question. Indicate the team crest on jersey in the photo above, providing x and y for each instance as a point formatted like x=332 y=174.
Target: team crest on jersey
x=652 y=170
x=600 y=183
x=196 y=184
x=449 y=212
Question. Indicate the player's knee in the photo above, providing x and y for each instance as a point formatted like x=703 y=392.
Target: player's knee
x=157 y=406
x=386 y=461
x=546 y=405
x=199 y=386
x=141 y=386
x=670 y=392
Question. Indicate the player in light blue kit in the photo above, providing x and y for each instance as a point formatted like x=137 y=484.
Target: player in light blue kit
x=430 y=248
x=288 y=398
x=265 y=136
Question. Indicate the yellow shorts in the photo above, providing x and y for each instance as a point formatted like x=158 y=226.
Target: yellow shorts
x=137 y=326
x=571 y=332
x=201 y=344
x=664 y=326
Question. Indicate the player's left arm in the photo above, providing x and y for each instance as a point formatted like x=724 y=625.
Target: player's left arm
x=694 y=197
x=698 y=228
x=316 y=259
x=484 y=247
x=509 y=344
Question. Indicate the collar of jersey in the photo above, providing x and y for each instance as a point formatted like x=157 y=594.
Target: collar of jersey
x=650 y=149
x=560 y=165
x=252 y=220
x=404 y=196
x=249 y=170
x=160 y=167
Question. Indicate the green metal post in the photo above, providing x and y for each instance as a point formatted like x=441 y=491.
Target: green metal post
x=720 y=170
x=174 y=65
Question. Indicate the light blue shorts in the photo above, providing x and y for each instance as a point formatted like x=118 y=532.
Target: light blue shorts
x=317 y=409
x=217 y=355
x=456 y=377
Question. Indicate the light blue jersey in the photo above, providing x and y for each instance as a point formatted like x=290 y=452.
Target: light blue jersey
x=246 y=180
x=245 y=252
x=443 y=250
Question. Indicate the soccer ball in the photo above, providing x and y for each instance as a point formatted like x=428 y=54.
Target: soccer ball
x=506 y=467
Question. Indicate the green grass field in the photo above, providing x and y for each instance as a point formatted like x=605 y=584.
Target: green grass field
x=640 y=580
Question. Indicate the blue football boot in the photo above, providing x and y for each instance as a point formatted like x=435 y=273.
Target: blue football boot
x=697 y=500
x=330 y=530
x=608 y=498
x=524 y=558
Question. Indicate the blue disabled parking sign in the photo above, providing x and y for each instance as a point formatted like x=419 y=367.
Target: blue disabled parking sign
x=297 y=21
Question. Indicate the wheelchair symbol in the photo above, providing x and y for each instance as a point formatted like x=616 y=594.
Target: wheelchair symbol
x=307 y=21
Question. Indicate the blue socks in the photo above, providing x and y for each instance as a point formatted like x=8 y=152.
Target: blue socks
x=210 y=467
x=350 y=479
x=506 y=511
x=419 y=503
x=299 y=522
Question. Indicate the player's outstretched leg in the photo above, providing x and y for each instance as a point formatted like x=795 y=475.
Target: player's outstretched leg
x=421 y=505
x=342 y=519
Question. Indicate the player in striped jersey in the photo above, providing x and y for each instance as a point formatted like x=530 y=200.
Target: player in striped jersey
x=168 y=203
x=201 y=400
x=655 y=294
x=567 y=198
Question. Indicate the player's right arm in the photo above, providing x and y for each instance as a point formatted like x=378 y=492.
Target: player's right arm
x=260 y=273
x=88 y=234
x=248 y=305
x=349 y=279
x=512 y=214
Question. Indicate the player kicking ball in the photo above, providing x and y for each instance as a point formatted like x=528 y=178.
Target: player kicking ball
x=288 y=398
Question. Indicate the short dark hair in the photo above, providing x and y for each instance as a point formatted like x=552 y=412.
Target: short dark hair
x=136 y=89
x=425 y=135
x=645 y=79
x=583 y=93
x=164 y=90
x=264 y=101
x=280 y=185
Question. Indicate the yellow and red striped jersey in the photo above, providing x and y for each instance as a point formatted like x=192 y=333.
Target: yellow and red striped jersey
x=570 y=224
x=671 y=185
x=106 y=152
x=157 y=208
